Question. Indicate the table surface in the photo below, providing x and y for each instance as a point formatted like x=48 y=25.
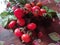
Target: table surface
x=8 y=38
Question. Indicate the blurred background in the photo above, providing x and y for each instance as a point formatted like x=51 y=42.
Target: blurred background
x=3 y=5
x=55 y=4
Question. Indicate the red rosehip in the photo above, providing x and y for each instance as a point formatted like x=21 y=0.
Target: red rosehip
x=21 y=22
x=8 y=4
x=17 y=32
x=14 y=8
x=32 y=4
x=43 y=10
x=12 y=24
x=40 y=34
x=18 y=13
x=28 y=7
x=31 y=26
x=26 y=11
x=36 y=10
x=26 y=38
x=36 y=42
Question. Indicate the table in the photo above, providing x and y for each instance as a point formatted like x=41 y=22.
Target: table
x=8 y=38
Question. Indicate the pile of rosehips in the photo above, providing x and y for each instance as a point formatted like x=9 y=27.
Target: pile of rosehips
x=29 y=20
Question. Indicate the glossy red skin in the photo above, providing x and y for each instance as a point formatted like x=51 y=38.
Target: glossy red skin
x=12 y=24
x=43 y=10
x=17 y=32
x=31 y=26
x=28 y=7
x=26 y=38
x=35 y=10
x=14 y=8
x=21 y=22
x=41 y=14
x=18 y=13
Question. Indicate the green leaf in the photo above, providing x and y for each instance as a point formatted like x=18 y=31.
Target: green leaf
x=52 y=14
x=1 y=42
x=49 y=15
x=58 y=14
x=57 y=1
x=11 y=17
x=54 y=36
x=4 y=21
x=3 y=14
x=50 y=10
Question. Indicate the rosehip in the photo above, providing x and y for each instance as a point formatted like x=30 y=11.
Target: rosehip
x=39 y=4
x=18 y=13
x=43 y=10
x=32 y=4
x=14 y=8
x=26 y=38
x=36 y=10
x=31 y=26
x=28 y=7
x=21 y=22
x=17 y=32
x=36 y=42
x=8 y=4
x=40 y=34
x=12 y=24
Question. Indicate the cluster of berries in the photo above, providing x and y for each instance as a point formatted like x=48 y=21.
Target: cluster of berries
x=28 y=20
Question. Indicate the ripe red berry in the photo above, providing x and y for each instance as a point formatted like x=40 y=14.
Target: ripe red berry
x=14 y=8
x=36 y=42
x=32 y=4
x=43 y=10
x=31 y=26
x=21 y=22
x=12 y=24
x=28 y=7
x=40 y=34
x=26 y=38
x=18 y=13
x=8 y=4
x=36 y=10
x=18 y=32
